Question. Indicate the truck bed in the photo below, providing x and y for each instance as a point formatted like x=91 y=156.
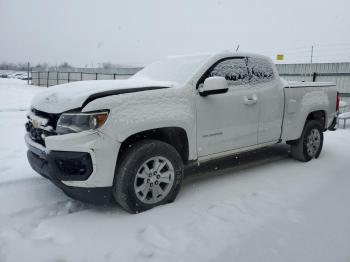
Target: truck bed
x=298 y=84
x=302 y=98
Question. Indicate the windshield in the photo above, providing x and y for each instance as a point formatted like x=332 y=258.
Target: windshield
x=176 y=69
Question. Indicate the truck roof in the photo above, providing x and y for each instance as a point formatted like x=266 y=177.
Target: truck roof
x=220 y=54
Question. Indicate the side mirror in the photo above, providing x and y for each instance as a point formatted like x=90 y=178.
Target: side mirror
x=213 y=85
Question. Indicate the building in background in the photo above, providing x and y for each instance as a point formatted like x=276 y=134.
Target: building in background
x=319 y=72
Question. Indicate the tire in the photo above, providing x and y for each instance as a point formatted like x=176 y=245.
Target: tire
x=139 y=185
x=309 y=145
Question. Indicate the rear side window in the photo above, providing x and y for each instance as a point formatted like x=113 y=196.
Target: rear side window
x=260 y=70
x=234 y=70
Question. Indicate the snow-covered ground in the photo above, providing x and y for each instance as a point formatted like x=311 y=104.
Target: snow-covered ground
x=261 y=206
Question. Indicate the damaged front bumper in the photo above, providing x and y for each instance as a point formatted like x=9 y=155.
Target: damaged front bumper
x=73 y=171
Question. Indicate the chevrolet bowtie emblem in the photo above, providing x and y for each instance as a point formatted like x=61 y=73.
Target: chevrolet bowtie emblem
x=35 y=124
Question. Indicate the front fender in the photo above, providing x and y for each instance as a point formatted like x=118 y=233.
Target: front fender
x=136 y=112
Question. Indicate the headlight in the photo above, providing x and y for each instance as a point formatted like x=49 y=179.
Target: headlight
x=78 y=122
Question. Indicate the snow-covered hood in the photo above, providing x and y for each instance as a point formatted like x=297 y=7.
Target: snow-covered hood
x=69 y=96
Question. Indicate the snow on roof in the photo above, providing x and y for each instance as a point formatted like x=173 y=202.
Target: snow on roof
x=219 y=54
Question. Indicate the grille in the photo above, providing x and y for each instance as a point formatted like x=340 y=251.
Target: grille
x=52 y=118
x=38 y=131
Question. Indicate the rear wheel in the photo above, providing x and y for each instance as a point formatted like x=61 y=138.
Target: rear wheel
x=149 y=174
x=309 y=145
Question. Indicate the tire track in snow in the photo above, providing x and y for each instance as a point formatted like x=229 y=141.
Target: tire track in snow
x=24 y=223
x=222 y=223
x=20 y=181
x=21 y=219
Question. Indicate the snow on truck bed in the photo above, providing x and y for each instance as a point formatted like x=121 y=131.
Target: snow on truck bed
x=261 y=206
x=309 y=84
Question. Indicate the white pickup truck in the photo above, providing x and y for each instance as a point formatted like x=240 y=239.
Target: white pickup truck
x=128 y=140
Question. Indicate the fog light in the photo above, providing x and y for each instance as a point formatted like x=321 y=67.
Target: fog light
x=72 y=166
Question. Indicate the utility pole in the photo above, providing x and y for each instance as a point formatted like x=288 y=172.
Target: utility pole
x=28 y=73
x=311 y=56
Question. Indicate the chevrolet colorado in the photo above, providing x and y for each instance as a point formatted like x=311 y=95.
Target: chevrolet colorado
x=129 y=140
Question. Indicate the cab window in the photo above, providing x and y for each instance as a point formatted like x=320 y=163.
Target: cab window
x=260 y=70
x=234 y=70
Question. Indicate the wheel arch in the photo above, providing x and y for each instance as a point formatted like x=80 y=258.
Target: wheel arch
x=174 y=136
x=317 y=115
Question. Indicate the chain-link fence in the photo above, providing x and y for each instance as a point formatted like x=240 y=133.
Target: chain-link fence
x=50 y=78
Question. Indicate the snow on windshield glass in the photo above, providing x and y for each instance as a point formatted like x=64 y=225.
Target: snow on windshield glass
x=176 y=69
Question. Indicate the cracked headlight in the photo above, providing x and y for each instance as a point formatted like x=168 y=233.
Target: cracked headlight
x=78 y=122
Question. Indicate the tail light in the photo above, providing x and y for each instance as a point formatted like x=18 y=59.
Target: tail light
x=338 y=101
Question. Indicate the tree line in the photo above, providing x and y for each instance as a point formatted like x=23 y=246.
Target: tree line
x=46 y=66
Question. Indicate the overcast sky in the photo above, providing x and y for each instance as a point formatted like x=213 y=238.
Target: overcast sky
x=84 y=32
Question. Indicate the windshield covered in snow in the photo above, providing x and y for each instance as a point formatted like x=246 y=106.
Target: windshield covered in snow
x=175 y=69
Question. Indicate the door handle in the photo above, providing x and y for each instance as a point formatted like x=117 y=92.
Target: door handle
x=250 y=100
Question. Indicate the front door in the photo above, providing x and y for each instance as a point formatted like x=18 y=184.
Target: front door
x=228 y=121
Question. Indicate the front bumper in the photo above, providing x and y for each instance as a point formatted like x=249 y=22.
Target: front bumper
x=72 y=170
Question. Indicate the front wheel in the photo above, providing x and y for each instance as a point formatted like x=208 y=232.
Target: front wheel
x=149 y=174
x=309 y=145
